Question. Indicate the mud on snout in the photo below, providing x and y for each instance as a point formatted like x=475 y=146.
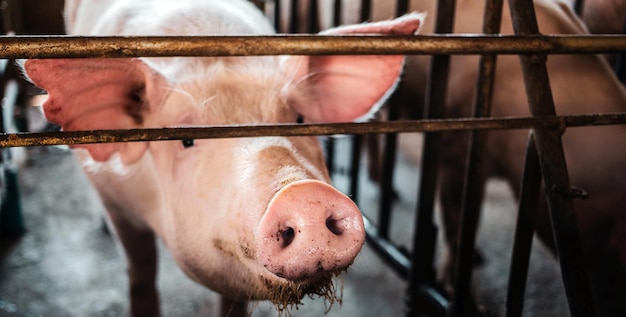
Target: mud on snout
x=289 y=294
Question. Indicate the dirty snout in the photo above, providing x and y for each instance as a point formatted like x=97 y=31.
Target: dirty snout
x=309 y=227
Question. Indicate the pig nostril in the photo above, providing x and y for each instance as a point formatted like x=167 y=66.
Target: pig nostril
x=333 y=226
x=288 y=234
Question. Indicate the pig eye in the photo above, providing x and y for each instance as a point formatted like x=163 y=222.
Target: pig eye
x=187 y=143
x=300 y=119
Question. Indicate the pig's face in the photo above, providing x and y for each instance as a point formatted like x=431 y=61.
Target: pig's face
x=252 y=218
x=229 y=183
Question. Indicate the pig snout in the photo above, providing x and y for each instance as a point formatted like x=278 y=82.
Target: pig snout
x=309 y=227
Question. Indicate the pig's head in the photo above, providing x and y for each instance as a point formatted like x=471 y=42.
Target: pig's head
x=252 y=218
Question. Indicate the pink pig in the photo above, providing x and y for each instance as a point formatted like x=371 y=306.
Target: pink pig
x=251 y=218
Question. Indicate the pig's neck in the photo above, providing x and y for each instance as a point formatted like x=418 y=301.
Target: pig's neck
x=129 y=190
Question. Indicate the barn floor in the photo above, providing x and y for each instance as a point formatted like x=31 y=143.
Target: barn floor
x=66 y=265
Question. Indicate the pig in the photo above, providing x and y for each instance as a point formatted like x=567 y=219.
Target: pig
x=580 y=84
x=603 y=16
x=251 y=218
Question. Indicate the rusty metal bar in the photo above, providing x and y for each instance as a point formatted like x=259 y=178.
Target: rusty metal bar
x=16 y=47
x=357 y=140
x=208 y=132
x=385 y=209
x=424 y=237
x=524 y=231
x=389 y=155
x=474 y=182
x=554 y=168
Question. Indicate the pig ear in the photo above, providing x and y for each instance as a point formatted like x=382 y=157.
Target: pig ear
x=348 y=88
x=91 y=94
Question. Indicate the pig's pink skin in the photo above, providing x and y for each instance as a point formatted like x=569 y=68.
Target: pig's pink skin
x=212 y=204
x=603 y=16
x=309 y=227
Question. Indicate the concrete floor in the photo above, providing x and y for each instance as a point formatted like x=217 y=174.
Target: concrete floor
x=66 y=265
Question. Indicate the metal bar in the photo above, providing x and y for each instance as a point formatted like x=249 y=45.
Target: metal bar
x=277 y=14
x=402 y=7
x=386 y=175
x=208 y=132
x=329 y=144
x=524 y=231
x=337 y=12
x=385 y=209
x=579 y=6
x=294 y=16
x=474 y=182
x=554 y=168
x=357 y=140
x=620 y=62
x=355 y=166
x=17 y=47
x=424 y=237
x=389 y=156
x=431 y=299
x=366 y=10
x=329 y=148
x=390 y=253
x=313 y=25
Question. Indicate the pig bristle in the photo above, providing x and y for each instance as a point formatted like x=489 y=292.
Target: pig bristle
x=287 y=297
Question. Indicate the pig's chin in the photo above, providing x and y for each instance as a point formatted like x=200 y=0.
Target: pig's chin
x=286 y=294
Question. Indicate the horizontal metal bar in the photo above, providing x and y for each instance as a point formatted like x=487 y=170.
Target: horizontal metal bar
x=16 y=47
x=208 y=132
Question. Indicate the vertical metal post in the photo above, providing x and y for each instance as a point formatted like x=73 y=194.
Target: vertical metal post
x=329 y=147
x=402 y=7
x=357 y=140
x=389 y=155
x=366 y=10
x=313 y=25
x=553 y=167
x=386 y=175
x=524 y=231
x=293 y=16
x=355 y=166
x=474 y=182
x=337 y=13
x=620 y=62
x=277 y=14
x=579 y=6
x=424 y=237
